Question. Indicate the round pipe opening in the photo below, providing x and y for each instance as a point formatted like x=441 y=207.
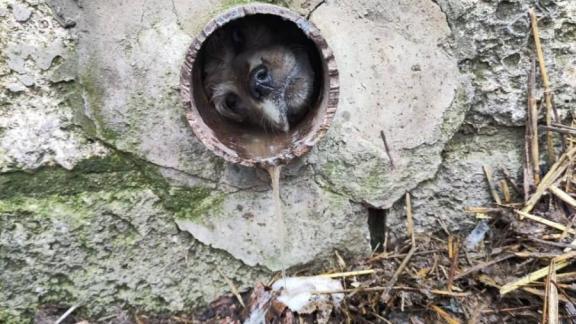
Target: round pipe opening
x=246 y=143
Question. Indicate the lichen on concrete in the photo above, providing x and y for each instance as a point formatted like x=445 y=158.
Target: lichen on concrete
x=121 y=247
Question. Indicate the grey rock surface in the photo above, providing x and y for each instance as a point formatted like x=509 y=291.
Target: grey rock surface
x=130 y=101
x=106 y=198
x=460 y=181
x=246 y=226
x=36 y=126
x=394 y=79
x=121 y=247
x=493 y=42
x=21 y=12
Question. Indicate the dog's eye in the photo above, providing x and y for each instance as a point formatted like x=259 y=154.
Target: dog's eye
x=262 y=73
x=232 y=102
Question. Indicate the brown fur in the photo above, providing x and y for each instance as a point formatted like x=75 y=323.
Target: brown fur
x=227 y=68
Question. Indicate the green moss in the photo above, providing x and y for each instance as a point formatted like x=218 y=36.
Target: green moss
x=12 y=317
x=180 y=198
x=192 y=203
x=375 y=180
x=66 y=209
x=99 y=228
x=110 y=163
x=62 y=291
x=112 y=172
x=334 y=175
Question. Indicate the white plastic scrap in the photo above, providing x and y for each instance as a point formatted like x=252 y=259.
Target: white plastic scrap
x=258 y=316
x=297 y=292
x=260 y=308
x=477 y=235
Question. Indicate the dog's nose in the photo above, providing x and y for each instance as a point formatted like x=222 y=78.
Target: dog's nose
x=260 y=82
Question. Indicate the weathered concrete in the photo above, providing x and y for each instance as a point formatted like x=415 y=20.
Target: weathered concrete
x=397 y=80
x=493 y=42
x=460 y=180
x=128 y=74
x=101 y=181
x=377 y=93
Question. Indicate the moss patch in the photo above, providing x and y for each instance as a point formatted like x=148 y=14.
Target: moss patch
x=193 y=203
x=99 y=174
x=12 y=317
x=113 y=173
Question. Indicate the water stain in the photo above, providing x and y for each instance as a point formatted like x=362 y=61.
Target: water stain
x=274 y=172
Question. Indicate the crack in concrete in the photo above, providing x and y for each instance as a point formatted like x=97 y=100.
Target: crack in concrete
x=175 y=12
x=216 y=183
x=444 y=13
x=309 y=15
x=134 y=157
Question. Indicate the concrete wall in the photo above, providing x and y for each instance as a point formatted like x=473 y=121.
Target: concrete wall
x=107 y=199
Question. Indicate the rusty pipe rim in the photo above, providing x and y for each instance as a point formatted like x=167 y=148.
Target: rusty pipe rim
x=326 y=106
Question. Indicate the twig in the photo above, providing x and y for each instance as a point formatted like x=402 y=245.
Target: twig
x=482 y=210
x=552 y=294
x=507 y=310
x=385 y=297
x=537 y=255
x=532 y=129
x=546 y=82
x=538 y=292
x=511 y=181
x=563 y=196
x=66 y=314
x=506 y=191
x=489 y=178
x=453 y=255
x=444 y=315
x=556 y=170
x=387 y=148
x=377 y=289
x=559 y=130
x=483 y=266
x=562 y=245
x=565 y=126
x=539 y=274
x=546 y=295
x=561 y=262
x=387 y=255
x=232 y=287
x=545 y=222
x=348 y=274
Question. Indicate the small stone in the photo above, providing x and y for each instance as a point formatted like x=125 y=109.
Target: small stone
x=64 y=73
x=21 y=13
x=26 y=80
x=15 y=87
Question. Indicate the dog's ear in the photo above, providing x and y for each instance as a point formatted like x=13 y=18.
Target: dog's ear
x=238 y=39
